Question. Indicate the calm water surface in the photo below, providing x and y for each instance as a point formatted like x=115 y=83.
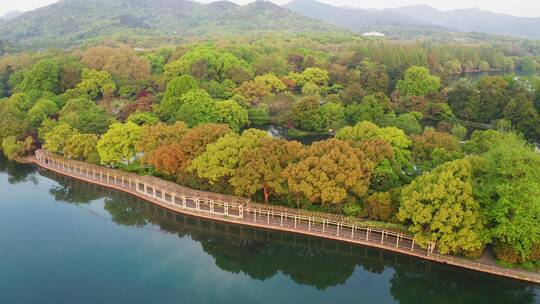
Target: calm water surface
x=64 y=241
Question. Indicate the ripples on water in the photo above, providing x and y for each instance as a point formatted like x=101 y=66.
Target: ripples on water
x=66 y=241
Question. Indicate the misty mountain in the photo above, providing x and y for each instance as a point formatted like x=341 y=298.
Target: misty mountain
x=418 y=19
x=11 y=15
x=74 y=21
x=351 y=18
x=473 y=20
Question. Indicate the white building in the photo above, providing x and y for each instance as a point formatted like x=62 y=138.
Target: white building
x=373 y=34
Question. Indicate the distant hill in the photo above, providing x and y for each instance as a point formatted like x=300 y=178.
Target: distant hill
x=419 y=20
x=75 y=21
x=351 y=18
x=11 y=15
x=474 y=20
x=393 y=24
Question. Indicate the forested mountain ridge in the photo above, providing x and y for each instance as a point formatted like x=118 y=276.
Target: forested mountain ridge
x=75 y=21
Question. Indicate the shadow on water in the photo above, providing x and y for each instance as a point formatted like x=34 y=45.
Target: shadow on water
x=17 y=172
x=261 y=254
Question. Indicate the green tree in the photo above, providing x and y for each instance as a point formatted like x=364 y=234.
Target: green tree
x=506 y=184
x=418 y=82
x=231 y=113
x=521 y=113
x=172 y=98
x=221 y=159
x=85 y=116
x=21 y=101
x=96 y=84
x=439 y=207
x=459 y=131
x=332 y=114
x=13 y=121
x=373 y=77
x=206 y=63
x=365 y=131
x=493 y=98
x=13 y=148
x=118 y=143
x=527 y=65
x=41 y=110
x=306 y=114
x=373 y=108
x=481 y=141
x=57 y=138
x=408 y=122
x=314 y=75
x=82 y=147
x=272 y=83
x=433 y=148
x=44 y=76
x=143 y=118
x=311 y=89
x=484 y=66
x=259 y=115
x=464 y=100
x=197 y=108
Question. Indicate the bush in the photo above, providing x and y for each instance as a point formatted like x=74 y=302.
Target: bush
x=352 y=209
x=474 y=254
x=506 y=253
x=379 y=206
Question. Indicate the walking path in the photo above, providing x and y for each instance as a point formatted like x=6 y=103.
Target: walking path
x=242 y=211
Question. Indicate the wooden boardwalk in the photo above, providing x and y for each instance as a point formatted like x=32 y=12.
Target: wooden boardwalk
x=242 y=211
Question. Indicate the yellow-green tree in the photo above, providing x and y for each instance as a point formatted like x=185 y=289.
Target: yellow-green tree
x=118 y=143
x=329 y=171
x=57 y=138
x=221 y=159
x=231 y=113
x=262 y=168
x=272 y=83
x=365 y=131
x=418 y=82
x=439 y=207
x=82 y=147
x=41 y=110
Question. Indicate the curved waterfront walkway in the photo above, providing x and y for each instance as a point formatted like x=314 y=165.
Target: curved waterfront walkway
x=242 y=211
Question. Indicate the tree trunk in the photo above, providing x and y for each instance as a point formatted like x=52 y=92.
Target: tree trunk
x=266 y=194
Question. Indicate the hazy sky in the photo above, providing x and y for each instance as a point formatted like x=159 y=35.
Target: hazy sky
x=529 y=8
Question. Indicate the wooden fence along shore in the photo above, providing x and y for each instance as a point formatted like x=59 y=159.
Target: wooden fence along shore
x=242 y=211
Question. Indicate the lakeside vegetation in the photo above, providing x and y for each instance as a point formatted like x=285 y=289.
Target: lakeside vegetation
x=399 y=153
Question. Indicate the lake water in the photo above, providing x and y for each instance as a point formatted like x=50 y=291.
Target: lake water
x=65 y=241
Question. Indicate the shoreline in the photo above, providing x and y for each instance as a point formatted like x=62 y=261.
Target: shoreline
x=233 y=210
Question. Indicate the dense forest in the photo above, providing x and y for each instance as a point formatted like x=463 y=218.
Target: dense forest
x=407 y=141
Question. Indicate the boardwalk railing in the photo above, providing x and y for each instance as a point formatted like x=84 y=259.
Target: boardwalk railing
x=241 y=210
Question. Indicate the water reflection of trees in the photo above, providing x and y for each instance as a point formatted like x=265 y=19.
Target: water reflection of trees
x=17 y=172
x=73 y=191
x=446 y=285
x=319 y=263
